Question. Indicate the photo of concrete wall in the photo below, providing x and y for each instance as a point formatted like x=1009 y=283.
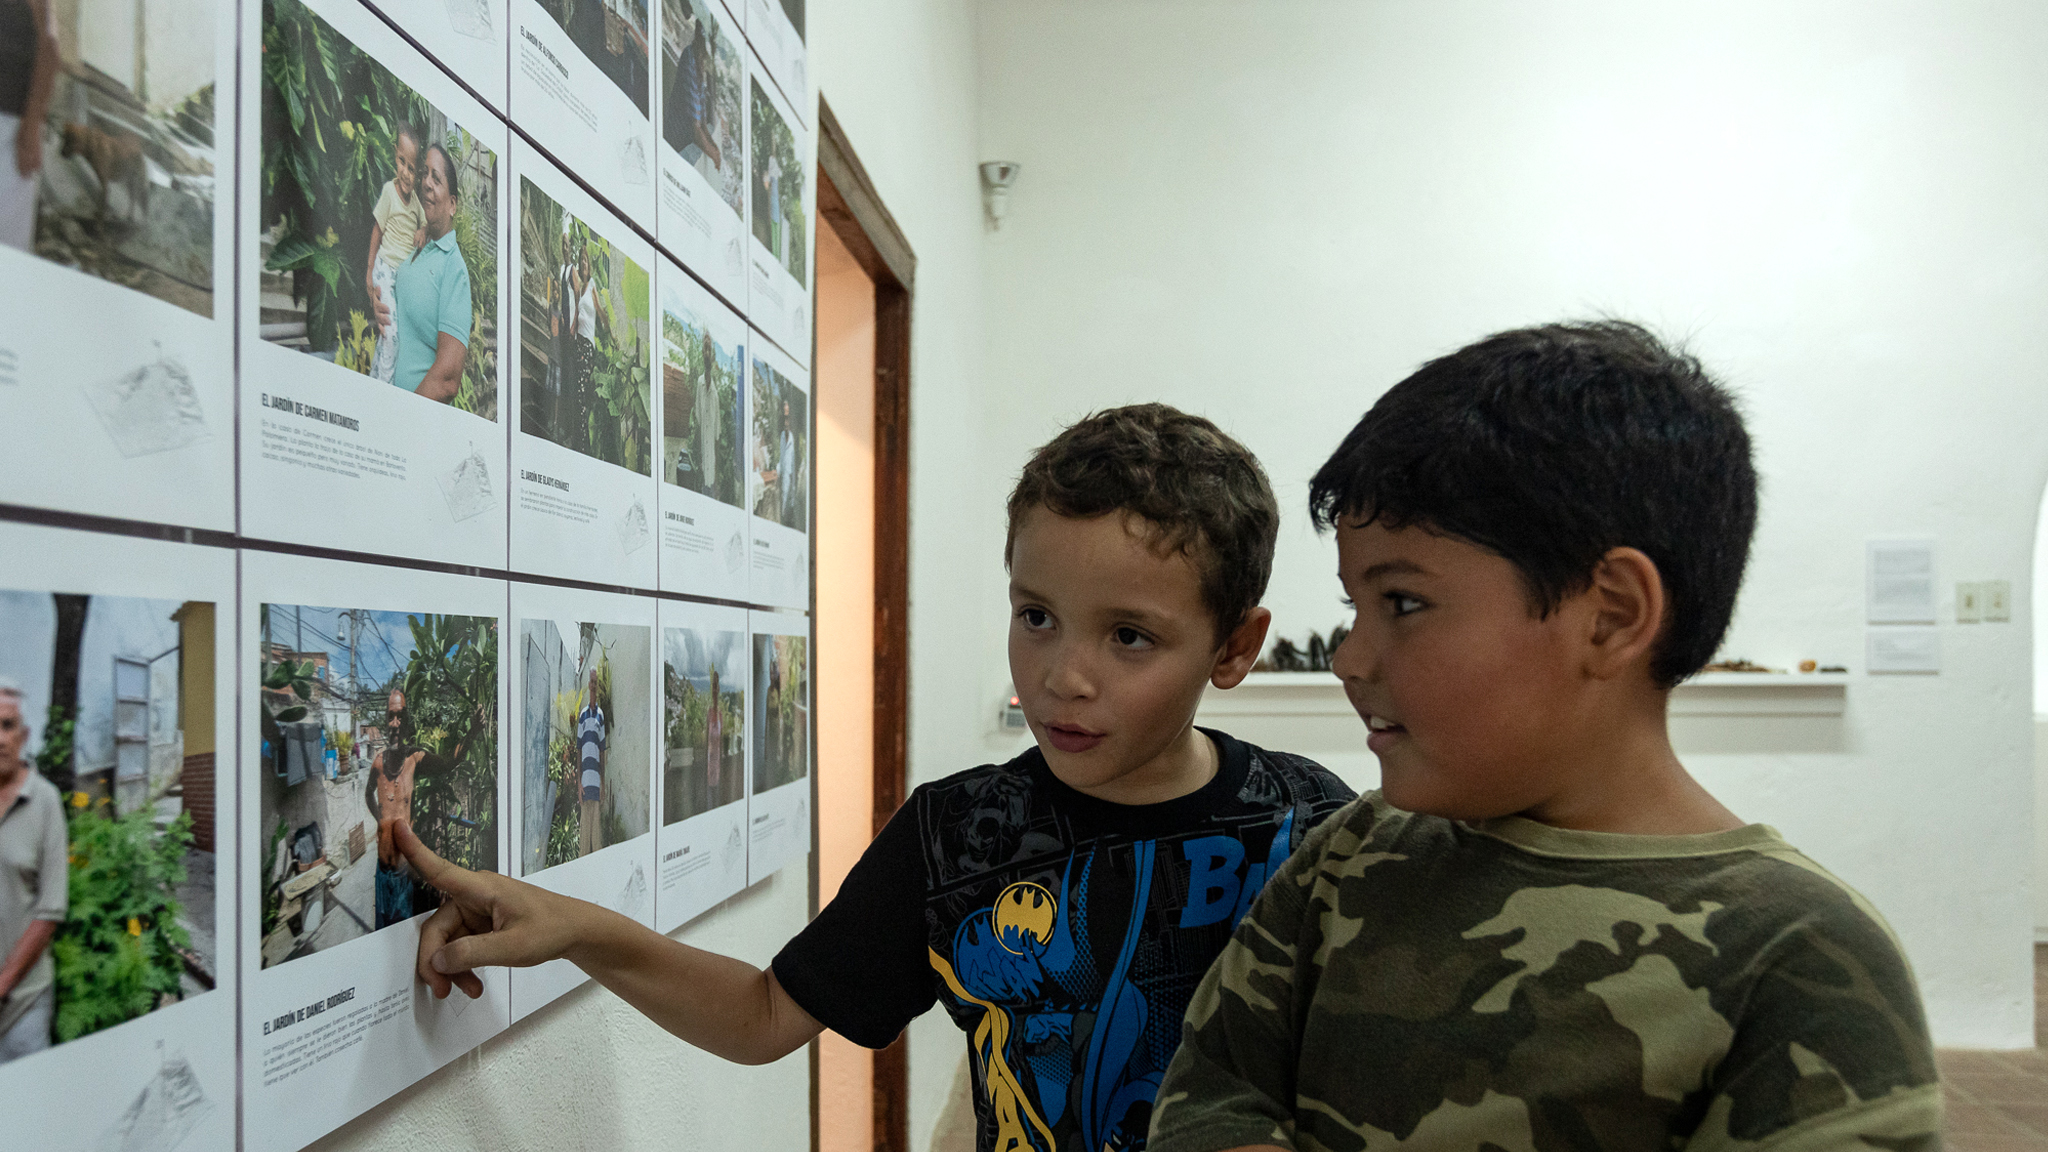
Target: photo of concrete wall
x=585 y=721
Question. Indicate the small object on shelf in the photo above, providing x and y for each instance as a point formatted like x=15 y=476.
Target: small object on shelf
x=1737 y=666
x=1808 y=665
x=1834 y=668
x=1312 y=656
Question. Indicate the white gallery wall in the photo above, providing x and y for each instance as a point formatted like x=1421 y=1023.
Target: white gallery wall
x=1270 y=212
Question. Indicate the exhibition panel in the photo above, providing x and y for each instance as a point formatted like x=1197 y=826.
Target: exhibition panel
x=584 y=787
x=372 y=697
x=704 y=757
x=116 y=655
x=704 y=440
x=779 y=799
x=701 y=75
x=371 y=298
x=115 y=240
x=780 y=159
x=582 y=365
x=779 y=477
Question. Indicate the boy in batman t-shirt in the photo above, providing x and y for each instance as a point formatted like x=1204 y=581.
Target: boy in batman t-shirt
x=1062 y=906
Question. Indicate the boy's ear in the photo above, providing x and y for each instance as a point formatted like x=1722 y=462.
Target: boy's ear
x=1241 y=649
x=1626 y=601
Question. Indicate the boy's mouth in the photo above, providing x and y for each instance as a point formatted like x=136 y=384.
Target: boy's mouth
x=1383 y=732
x=1069 y=738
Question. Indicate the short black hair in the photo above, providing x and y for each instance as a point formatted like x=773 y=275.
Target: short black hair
x=1203 y=494
x=447 y=168
x=1549 y=446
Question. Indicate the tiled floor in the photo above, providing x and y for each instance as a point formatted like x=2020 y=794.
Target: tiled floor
x=1998 y=1101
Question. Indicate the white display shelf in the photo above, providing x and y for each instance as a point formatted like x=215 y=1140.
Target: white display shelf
x=1707 y=694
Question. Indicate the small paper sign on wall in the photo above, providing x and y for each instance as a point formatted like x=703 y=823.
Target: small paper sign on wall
x=1900 y=581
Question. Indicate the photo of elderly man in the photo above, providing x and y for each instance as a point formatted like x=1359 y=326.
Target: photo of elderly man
x=33 y=887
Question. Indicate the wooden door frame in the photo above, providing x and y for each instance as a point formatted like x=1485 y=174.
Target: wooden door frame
x=850 y=206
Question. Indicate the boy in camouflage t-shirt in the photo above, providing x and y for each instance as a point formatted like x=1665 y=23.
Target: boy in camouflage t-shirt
x=1543 y=934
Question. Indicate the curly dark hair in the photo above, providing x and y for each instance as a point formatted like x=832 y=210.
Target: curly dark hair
x=1203 y=494
x=1549 y=446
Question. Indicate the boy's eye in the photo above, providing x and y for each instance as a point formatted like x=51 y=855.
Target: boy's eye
x=1035 y=618
x=1403 y=604
x=1130 y=637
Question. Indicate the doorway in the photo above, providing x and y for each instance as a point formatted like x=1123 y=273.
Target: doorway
x=864 y=272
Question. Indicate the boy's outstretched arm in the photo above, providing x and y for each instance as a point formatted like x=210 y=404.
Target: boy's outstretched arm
x=727 y=1007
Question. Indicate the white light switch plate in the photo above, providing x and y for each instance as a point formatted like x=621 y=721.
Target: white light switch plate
x=1969 y=603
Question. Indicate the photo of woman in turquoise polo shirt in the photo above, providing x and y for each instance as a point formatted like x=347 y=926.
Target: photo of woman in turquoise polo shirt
x=432 y=293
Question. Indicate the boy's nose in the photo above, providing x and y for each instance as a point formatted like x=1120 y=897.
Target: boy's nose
x=1067 y=677
x=1354 y=658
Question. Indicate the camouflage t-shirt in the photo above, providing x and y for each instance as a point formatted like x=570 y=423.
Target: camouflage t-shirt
x=1412 y=982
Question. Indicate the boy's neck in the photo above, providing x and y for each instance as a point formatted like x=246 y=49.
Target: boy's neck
x=1187 y=763
x=1626 y=778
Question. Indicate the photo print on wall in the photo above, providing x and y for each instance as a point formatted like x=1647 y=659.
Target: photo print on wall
x=124 y=185
x=778 y=809
x=584 y=314
x=702 y=83
x=372 y=293
x=373 y=699
x=379 y=220
x=584 y=756
x=585 y=456
x=98 y=694
x=778 y=286
x=705 y=685
x=113 y=702
x=588 y=722
x=779 y=478
x=704 y=441
x=114 y=201
x=367 y=720
x=778 y=189
x=704 y=693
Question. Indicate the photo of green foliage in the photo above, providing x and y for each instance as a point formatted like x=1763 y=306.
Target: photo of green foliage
x=584 y=332
x=700 y=407
x=704 y=698
x=778 y=183
x=781 y=448
x=111 y=700
x=349 y=148
x=367 y=720
x=782 y=711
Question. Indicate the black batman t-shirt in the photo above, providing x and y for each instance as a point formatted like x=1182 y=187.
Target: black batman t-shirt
x=1064 y=934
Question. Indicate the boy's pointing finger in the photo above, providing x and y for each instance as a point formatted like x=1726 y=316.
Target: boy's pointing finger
x=449 y=878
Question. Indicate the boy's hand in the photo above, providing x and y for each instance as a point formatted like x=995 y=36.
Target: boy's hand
x=485 y=920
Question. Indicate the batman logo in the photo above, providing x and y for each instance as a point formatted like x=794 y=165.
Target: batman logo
x=1023 y=916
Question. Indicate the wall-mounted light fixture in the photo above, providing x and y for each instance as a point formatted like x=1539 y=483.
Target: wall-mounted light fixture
x=996 y=178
